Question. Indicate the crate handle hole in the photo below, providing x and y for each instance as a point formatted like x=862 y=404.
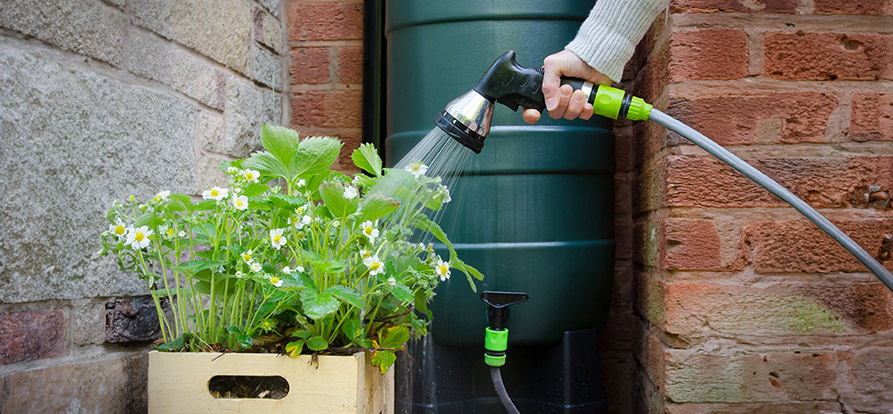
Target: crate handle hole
x=248 y=386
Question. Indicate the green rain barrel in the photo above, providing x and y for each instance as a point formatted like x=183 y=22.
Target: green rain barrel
x=536 y=216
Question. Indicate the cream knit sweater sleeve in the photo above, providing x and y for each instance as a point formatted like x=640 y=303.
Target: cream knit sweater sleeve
x=608 y=37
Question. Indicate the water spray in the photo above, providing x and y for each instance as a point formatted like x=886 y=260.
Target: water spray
x=467 y=119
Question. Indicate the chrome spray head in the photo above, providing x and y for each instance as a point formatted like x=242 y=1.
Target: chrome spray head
x=467 y=118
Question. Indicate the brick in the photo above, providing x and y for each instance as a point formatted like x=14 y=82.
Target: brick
x=691 y=244
x=828 y=56
x=350 y=64
x=871 y=118
x=98 y=386
x=700 y=311
x=325 y=21
x=708 y=54
x=743 y=120
x=821 y=182
x=800 y=246
x=339 y=108
x=309 y=65
x=221 y=33
x=870 y=369
x=700 y=377
x=823 y=407
x=26 y=336
x=351 y=142
x=746 y=6
x=856 y=7
x=131 y=320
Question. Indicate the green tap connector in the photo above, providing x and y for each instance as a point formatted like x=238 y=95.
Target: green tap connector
x=614 y=103
x=495 y=344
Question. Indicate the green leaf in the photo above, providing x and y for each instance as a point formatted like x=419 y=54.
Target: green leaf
x=266 y=164
x=203 y=205
x=317 y=343
x=281 y=142
x=351 y=328
x=147 y=219
x=315 y=154
x=302 y=333
x=402 y=292
x=293 y=349
x=194 y=266
x=255 y=189
x=421 y=301
x=383 y=360
x=319 y=305
x=394 y=337
x=245 y=341
x=346 y=294
x=176 y=344
x=366 y=157
x=332 y=195
x=377 y=206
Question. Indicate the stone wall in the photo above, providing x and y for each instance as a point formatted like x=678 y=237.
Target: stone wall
x=732 y=301
x=101 y=100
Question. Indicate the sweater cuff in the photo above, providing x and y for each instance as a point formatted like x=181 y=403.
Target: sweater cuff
x=607 y=38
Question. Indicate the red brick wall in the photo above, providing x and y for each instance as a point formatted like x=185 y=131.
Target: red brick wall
x=734 y=302
x=326 y=70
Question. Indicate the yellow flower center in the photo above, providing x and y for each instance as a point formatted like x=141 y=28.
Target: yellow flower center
x=215 y=193
x=119 y=229
x=246 y=257
x=300 y=210
x=276 y=238
x=368 y=230
x=274 y=279
x=249 y=175
x=170 y=232
x=444 y=269
x=366 y=253
x=374 y=265
x=139 y=236
x=300 y=235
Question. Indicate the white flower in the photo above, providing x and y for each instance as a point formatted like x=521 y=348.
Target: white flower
x=247 y=256
x=287 y=270
x=336 y=223
x=392 y=281
x=416 y=168
x=375 y=266
x=166 y=231
x=250 y=175
x=215 y=193
x=276 y=281
x=369 y=231
x=119 y=229
x=446 y=197
x=299 y=222
x=237 y=190
x=181 y=233
x=139 y=238
x=301 y=183
x=238 y=273
x=300 y=269
x=365 y=253
x=240 y=202
x=350 y=193
x=442 y=269
x=422 y=246
x=232 y=170
x=276 y=238
x=162 y=196
x=255 y=267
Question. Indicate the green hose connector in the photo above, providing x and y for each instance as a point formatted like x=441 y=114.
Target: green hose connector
x=495 y=344
x=614 y=103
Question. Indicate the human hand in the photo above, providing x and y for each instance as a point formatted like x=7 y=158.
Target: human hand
x=562 y=100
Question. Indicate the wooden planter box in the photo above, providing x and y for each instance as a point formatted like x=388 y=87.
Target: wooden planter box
x=178 y=383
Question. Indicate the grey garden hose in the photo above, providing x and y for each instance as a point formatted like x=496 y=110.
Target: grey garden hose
x=496 y=376
x=744 y=168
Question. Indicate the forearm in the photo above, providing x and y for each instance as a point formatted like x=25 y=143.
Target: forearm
x=608 y=37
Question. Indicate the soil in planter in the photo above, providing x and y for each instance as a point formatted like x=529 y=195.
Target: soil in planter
x=243 y=386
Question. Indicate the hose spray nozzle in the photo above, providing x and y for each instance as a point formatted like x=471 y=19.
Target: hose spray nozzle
x=467 y=118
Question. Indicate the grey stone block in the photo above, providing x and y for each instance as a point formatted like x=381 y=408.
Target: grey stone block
x=72 y=142
x=247 y=108
x=87 y=322
x=132 y=320
x=268 y=30
x=80 y=26
x=271 y=5
x=267 y=67
x=219 y=29
x=168 y=63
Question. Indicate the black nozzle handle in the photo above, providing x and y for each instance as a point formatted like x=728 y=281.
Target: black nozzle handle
x=498 y=312
x=513 y=85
